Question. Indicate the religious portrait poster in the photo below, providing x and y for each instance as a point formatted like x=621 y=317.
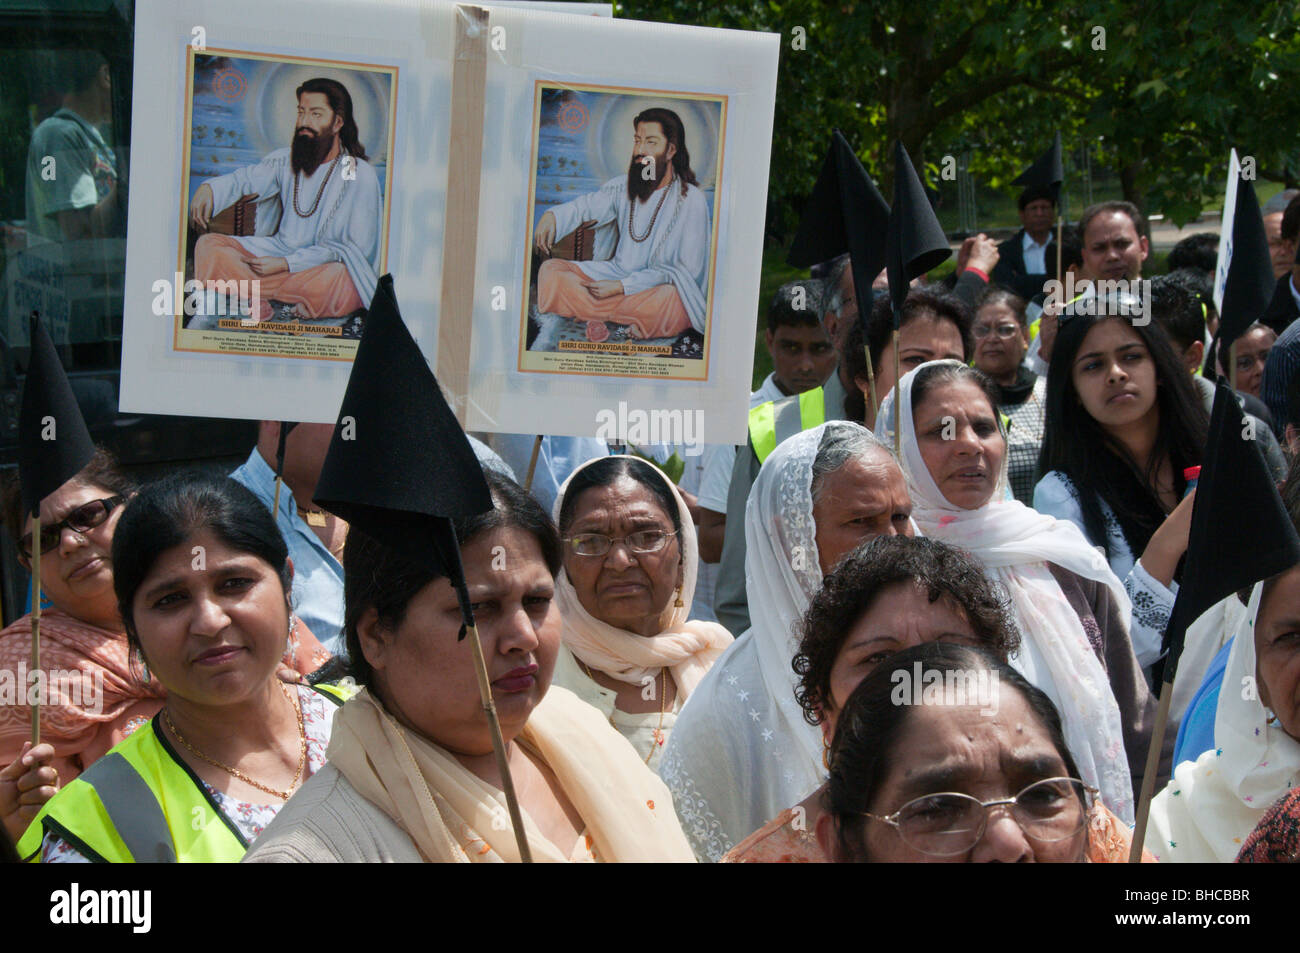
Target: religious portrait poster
x=624 y=232
x=263 y=201
x=621 y=214
x=286 y=145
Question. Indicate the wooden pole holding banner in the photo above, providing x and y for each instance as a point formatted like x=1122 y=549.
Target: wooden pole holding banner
x=1149 y=772
x=460 y=247
x=36 y=625
x=468 y=105
x=871 y=382
x=532 y=463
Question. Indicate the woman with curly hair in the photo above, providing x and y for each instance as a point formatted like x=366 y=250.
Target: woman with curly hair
x=890 y=593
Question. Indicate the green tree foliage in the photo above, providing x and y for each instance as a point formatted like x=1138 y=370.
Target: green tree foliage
x=1161 y=89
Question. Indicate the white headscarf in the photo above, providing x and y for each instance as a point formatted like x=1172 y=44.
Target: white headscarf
x=741 y=751
x=1206 y=812
x=1014 y=542
x=686 y=648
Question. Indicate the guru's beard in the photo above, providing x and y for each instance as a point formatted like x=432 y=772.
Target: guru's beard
x=309 y=150
x=641 y=188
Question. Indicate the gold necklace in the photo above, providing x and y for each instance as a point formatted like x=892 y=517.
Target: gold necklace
x=658 y=735
x=302 y=752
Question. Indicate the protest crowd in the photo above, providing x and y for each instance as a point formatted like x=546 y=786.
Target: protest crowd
x=1001 y=573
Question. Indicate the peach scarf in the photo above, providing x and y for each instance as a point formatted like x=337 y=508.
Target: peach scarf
x=453 y=816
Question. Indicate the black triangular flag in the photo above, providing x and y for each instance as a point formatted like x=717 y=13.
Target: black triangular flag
x=1046 y=172
x=1240 y=531
x=399 y=466
x=916 y=241
x=845 y=213
x=1249 y=285
x=53 y=442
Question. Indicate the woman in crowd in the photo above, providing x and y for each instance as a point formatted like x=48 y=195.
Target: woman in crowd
x=1213 y=803
x=1070 y=608
x=1251 y=357
x=411 y=773
x=1001 y=339
x=953 y=779
x=202 y=579
x=741 y=751
x=628 y=580
x=888 y=594
x=81 y=637
x=99 y=697
x=934 y=325
x=1123 y=423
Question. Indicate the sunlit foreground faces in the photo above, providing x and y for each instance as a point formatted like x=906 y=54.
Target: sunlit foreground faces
x=1277 y=650
x=937 y=776
x=890 y=594
x=212 y=630
x=960 y=441
x=425 y=675
x=622 y=549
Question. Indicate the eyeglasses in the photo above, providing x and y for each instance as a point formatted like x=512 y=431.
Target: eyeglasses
x=1004 y=331
x=946 y=824
x=598 y=544
x=81 y=520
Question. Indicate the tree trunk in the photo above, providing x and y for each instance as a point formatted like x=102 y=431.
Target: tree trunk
x=1128 y=180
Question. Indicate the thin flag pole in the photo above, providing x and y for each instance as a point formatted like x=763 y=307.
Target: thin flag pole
x=532 y=463
x=489 y=706
x=1149 y=773
x=897 y=403
x=871 y=383
x=36 y=624
x=499 y=746
x=1060 y=223
x=279 y=470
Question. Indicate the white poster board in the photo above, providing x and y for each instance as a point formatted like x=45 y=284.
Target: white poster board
x=559 y=136
x=1225 y=229
x=215 y=103
x=218 y=189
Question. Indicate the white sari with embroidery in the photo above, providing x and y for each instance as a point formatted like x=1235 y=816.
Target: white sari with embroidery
x=741 y=751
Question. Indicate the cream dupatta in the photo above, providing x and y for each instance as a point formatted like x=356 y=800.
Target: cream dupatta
x=453 y=816
x=1014 y=543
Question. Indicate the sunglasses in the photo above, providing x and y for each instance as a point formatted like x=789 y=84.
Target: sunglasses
x=81 y=520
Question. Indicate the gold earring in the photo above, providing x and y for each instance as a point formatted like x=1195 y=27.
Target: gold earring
x=678 y=604
x=826 y=753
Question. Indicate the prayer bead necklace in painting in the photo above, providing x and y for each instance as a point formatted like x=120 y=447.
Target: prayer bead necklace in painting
x=631 y=210
x=312 y=211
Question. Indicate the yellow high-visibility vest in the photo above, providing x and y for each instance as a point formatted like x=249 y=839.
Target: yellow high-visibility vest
x=141 y=803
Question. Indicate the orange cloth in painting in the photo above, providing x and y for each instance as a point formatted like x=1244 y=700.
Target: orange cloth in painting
x=655 y=313
x=325 y=291
x=777 y=842
x=113 y=702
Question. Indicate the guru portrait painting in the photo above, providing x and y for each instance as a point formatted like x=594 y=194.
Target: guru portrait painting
x=286 y=203
x=623 y=226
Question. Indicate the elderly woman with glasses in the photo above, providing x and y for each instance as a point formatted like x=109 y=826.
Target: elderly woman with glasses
x=630 y=566
x=95 y=693
x=1001 y=335
x=947 y=755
